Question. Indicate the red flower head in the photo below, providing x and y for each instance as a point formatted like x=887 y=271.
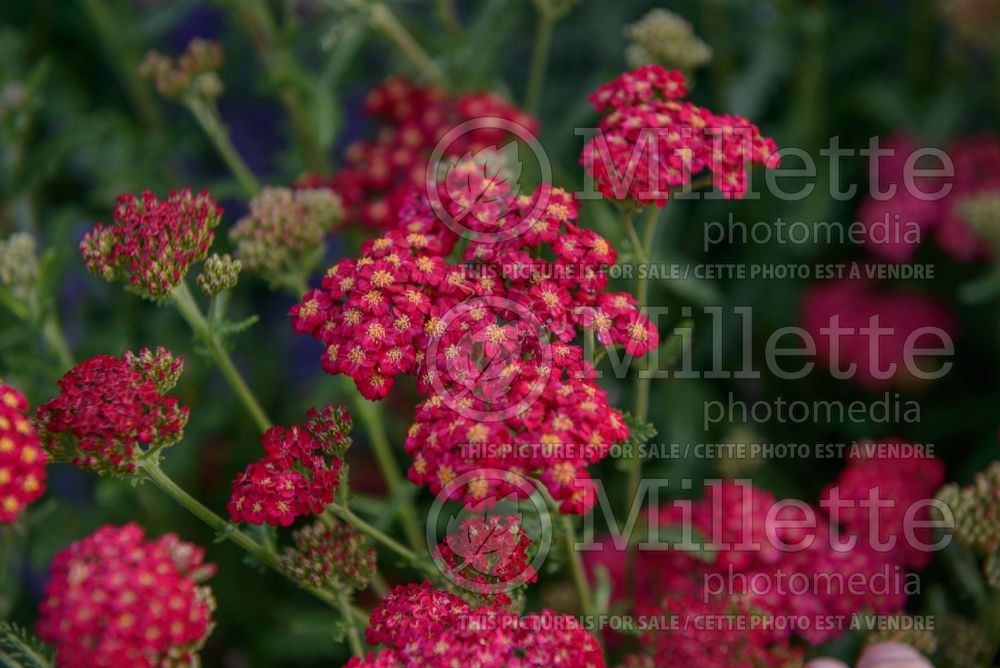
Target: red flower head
x=718 y=633
x=113 y=411
x=381 y=174
x=905 y=483
x=22 y=461
x=116 y=599
x=425 y=627
x=299 y=472
x=488 y=555
x=651 y=141
x=491 y=340
x=152 y=243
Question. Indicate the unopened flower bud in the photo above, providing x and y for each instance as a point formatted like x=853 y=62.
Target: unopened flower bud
x=976 y=509
x=334 y=557
x=282 y=237
x=192 y=73
x=220 y=272
x=982 y=213
x=664 y=38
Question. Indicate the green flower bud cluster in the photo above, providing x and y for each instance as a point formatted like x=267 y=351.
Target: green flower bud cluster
x=982 y=213
x=218 y=273
x=281 y=239
x=664 y=38
x=18 y=260
x=977 y=517
x=194 y=72
x=330 y=557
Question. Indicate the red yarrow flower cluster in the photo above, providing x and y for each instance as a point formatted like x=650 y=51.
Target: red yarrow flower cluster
x=113 y=411
x=490 y=340
x=424 y=627
x=906 y=483
x=152 y=243
x=717 y=633
x=382 y=173
x=875 y=360
x=651 y=141
x=115 y=599
x=925 y=204
x=22 y=460
x=790 y=559
x=488 y=555
x=299 y=472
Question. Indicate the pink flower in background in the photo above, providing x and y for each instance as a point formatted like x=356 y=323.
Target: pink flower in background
x=850 y=304
x=903 y=481
x=898 y=224
x=880 y=655
x=758 y=550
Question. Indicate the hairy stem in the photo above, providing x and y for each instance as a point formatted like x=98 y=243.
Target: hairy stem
x=190 y=311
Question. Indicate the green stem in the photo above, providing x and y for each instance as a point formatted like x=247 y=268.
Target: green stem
x=152 y=471
x=155 y=474
x=580 y=582
x=640 y=401
x=208 y=118
x=353 y=637
x=539 y=60
x=189 y=310
x=449 y=17
x=385 y=21
x=284 y=73
x=53 y=335
x=345 y=513
x=371 y=415
x=633 y=236
x=124 y=61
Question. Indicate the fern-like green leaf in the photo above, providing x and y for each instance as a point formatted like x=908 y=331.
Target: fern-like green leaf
x=20 y=649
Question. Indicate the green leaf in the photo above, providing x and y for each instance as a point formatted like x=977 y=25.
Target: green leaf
x=20 y=649
x=639 y=431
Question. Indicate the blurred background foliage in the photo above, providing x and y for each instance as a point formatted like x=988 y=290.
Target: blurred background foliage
x=78 y=127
